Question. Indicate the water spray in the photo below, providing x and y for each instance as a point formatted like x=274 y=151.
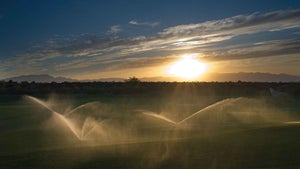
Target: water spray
x=80 y=134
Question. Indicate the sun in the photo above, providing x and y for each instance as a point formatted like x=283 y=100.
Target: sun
x=188 y=67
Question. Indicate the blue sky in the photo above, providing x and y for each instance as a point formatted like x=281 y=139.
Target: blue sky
x=94 y=39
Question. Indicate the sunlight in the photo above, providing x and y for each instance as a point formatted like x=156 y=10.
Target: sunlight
x=188 y=67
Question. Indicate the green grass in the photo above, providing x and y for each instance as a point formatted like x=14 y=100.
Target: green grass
x=269 y=147
x=29 y=140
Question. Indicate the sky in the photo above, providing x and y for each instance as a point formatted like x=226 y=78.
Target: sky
x=94 y=39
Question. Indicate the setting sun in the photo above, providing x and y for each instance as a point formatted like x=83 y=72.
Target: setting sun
x=188 y=67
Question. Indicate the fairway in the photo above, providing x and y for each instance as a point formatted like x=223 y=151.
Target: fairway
x=122 y=133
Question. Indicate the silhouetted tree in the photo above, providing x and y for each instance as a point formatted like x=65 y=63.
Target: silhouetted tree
x=133 y=80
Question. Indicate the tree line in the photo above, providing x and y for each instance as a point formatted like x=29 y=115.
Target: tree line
x=135 y=86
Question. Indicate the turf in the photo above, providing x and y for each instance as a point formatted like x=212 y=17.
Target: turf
x=28 y=141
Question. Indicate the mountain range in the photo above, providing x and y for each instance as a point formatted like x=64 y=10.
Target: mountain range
x=43 y=78
x=217 y=77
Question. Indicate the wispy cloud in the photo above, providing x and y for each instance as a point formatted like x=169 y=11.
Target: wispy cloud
x=237 y=25
x=80 y=53
x=152 y=24
x=257 y=50
x=114 y=29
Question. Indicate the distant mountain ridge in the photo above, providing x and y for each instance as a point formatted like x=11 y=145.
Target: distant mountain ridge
x=217 y=77
x=252 y=77
x=43 y=78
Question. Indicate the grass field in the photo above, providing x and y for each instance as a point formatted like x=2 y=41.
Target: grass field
x=221 y=133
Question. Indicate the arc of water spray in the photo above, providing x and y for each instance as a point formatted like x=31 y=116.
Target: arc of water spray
x=88 y=126
x=157 y=116
x=40 y=102
x=63 y=118
x=204 y=109
x=169 y=121
x=77 y=108
x=93 y=127
x=67 y=122
x=200 y=111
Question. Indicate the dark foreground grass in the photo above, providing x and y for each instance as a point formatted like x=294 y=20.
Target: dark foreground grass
x=268 y=147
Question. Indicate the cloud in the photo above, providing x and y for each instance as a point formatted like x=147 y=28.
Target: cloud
x=114 y=29
x=85 y=52
x=133 y=22
x=237 y=25
x=152 y=24
x=258 y=50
